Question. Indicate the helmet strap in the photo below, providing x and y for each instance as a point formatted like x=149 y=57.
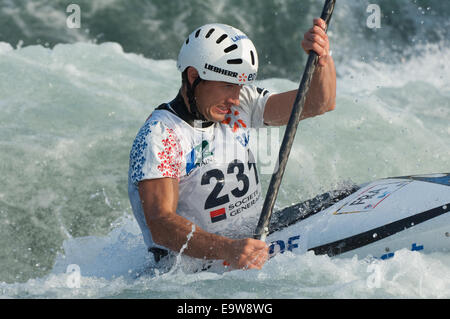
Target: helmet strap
x=190 y=92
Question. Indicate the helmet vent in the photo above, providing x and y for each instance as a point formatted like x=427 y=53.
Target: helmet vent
x=197 y=33
x=187 y=40
x=230 y=48
x=253 y=57
x=209 y=33
x=222 y=37
x=235 y=61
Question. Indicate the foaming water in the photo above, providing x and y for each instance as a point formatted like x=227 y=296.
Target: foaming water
x=69 y=115
x=407 y=275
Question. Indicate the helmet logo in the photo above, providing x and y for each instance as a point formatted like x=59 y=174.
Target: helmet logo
x=239 y=37
x=244 y=78
x=220 y=70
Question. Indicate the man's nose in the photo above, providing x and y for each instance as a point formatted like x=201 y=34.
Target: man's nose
x=234 y=97
x=234 y=101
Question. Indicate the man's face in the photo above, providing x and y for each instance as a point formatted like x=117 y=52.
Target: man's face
x=214 y=99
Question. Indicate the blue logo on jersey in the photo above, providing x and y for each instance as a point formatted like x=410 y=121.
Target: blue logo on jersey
x=198 y=156
x=243 y=138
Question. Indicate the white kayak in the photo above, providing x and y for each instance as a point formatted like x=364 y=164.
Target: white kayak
x=375 y=219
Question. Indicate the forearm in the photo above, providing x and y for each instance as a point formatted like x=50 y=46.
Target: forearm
x=159 y=199
x=321 y=96
x=172 y=231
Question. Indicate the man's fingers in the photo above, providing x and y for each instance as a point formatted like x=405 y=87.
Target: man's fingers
x=248 y=253
x=320 y=23
x=259 y=244
x=260 y=257
x=318 y=30
x=309 y=45
x=316 y=38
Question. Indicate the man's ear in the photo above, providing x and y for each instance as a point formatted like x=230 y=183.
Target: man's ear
x=192 y=74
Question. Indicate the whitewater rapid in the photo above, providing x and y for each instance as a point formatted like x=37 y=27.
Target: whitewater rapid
x=70 y=113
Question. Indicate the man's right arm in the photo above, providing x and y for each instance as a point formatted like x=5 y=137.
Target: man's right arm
x=159 y=198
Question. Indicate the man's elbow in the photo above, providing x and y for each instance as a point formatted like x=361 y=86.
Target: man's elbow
x=323 y=108
x=158 y=228
x=332 y=104
x=329 y=104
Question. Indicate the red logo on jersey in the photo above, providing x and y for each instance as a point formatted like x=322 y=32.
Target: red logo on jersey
x=233 y=120
x=218 y=215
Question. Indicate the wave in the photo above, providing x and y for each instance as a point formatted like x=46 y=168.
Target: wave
x=69 y=113
x=157 y=28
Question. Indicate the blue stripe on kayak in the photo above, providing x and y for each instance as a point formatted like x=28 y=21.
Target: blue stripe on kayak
x=376 y=234
x=443 y=180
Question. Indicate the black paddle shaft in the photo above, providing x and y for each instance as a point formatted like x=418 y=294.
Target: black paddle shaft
x=289 y=135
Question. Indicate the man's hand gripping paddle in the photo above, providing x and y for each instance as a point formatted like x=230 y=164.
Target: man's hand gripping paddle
x=262 y=230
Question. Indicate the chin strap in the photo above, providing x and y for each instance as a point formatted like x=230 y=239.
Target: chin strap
x=191 y=97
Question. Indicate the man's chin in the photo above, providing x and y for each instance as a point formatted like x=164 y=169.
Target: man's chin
x=216 y=117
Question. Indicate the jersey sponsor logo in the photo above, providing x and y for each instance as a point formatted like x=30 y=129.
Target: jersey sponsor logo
x=232 y=119
x=220 y=70
x=218 y=215
x=199 y=155
x=237 y=126
x=245 y=203
x=243 y=138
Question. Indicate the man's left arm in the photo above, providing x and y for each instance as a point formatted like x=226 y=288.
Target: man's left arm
x=321 y=95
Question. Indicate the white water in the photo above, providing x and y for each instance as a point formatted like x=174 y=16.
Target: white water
x=69 y=115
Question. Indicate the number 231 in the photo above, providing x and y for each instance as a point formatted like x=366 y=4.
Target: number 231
x=213 y=199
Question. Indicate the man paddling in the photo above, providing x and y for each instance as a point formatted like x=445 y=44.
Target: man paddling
x=191 y=171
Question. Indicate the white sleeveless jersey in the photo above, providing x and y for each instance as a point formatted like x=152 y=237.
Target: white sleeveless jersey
x=219 y=187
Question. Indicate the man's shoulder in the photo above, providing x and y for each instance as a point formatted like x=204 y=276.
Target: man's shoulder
x=157 y=126
x=251 y=96
x=163 y=115
x=253 y=100
x=253 y=90
x=163 y=119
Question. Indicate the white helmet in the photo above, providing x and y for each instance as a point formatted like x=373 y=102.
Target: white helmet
x=220 y=52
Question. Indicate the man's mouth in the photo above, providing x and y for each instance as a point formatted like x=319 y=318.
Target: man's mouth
x=222 y=109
